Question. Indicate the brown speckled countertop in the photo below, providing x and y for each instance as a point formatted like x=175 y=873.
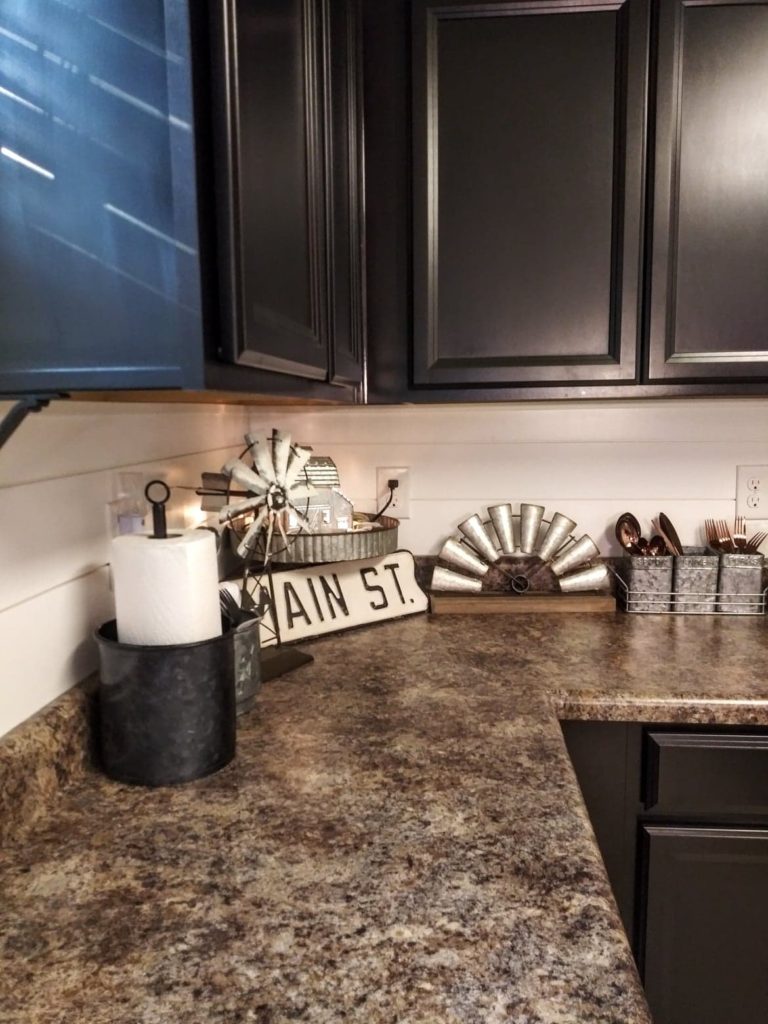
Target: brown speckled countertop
x=401 y=839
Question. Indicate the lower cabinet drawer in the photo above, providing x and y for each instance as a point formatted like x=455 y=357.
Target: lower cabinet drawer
x=706 y=773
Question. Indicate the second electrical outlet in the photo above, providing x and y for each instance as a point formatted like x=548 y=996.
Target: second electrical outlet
x=400 y=506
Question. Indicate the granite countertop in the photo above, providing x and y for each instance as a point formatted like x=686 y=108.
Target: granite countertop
x=401 y=839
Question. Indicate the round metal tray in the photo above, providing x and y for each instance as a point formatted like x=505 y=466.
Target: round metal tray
x=344 y=546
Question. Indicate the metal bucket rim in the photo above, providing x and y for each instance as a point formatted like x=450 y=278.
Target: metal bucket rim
x=101 y=638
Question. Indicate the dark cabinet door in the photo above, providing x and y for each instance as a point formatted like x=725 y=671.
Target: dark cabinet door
x=709 y=300
x=290 y=167
x=99 y=249
x=346 y=235
x=528 y=149
x=706 y=926
x=276 y=216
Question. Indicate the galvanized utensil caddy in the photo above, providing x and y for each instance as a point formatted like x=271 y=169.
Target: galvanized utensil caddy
x=698 y=582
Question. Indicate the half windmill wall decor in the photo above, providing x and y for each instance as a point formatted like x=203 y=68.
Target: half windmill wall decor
x=513 y=554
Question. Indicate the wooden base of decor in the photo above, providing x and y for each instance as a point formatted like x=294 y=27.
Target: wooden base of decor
x=514 y=604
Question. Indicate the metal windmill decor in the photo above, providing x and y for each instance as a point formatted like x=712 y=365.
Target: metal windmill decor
x=271 y=498
x=273 y=487
x=518 y=553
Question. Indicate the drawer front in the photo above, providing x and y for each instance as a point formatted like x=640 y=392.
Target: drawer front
x=706 y=773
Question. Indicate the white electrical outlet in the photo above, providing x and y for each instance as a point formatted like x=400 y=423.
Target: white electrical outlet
x=400 y=507
x=752 y=492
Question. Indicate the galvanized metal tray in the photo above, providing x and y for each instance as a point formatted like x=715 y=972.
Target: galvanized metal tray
x=342 y=546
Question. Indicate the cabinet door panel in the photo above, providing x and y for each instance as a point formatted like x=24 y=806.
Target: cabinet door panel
x=706 y=928
x=276 y=188
x=709 y=301
x=528 y=151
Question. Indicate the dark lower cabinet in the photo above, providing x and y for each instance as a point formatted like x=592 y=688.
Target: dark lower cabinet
x=705 y=928
x=681 y=818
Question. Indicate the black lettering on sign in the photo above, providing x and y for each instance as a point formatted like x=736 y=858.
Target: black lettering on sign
x=393 y=567
x=318 y=609
x=373 y=588
x=294 y=611
x=331 y=595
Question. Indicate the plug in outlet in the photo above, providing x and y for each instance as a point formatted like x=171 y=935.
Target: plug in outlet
x=752 y=492
x=400 y=507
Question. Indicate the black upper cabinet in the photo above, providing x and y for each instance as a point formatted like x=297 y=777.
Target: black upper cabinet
x=709 y=300
x=566 y=198
x=99 y=249
x=291 y=213
x=528 y=148
x=181 y=207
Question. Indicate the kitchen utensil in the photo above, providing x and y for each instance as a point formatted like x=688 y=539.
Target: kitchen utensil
x=558 y=533
x=753 y=544
x=530 y=522
x=669 y=533
x=628 y=532
x=740 y=532
x=656 y=546
x=234 y=612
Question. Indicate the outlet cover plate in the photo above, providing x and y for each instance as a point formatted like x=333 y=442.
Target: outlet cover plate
x=401 y=502
x=752 y=492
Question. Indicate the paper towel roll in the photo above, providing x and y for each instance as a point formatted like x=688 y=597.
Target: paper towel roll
x=166 y=590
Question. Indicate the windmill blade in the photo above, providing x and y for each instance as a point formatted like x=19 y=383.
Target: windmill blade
x=302 y=519
x=299 y=458
x=237 y=470
x=281 y=451
x=262 y=458
x=240 y=508
x=249 y=540
x=251 y=441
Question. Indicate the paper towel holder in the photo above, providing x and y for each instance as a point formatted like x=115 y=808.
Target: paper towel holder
x=159 y=523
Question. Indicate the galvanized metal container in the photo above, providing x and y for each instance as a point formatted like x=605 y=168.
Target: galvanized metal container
x=648 y=579
x=313 y=548
x=740 y=585
x=247 y=666
x=694 y=580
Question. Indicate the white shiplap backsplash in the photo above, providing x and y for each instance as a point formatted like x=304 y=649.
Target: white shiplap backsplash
x=57 y=473
x=591 y=460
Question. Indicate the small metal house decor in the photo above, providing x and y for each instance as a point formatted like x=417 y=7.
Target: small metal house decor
x=513 y=554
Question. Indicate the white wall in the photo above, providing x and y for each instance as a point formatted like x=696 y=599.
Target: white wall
x=57 y=473
x=590 y=460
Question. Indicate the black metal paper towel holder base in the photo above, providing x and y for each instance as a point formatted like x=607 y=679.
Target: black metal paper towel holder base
x=166 y=714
